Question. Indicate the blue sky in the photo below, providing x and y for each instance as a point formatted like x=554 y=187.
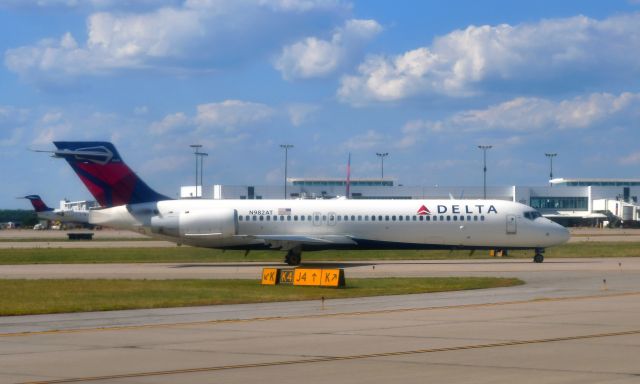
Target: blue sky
x=426 y=81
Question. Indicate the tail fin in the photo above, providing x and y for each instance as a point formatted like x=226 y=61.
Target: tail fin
x=38 y=204
x=108 y=178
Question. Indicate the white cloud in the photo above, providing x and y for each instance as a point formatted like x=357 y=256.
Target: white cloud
x=631 y=159
x=163 y=164
x=531 y=115
x=368 y=140
x=300 y=113
x=49 y=133
x=224 y=117
x=12 y=116
x=479 y=58
x=12 y=125
x=230 y=114
x=141 y=110
x=169 y=123
x=88 y=4
x=13 y=139
x=51 y=117
x=314 y=57
x=192 y=36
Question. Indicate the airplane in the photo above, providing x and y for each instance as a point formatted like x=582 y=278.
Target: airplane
x=44 y=212
x=295 y=226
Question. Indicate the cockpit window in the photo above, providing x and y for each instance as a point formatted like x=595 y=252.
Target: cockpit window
x=532 y=215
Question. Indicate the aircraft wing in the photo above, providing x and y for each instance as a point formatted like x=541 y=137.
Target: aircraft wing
x=290 y=241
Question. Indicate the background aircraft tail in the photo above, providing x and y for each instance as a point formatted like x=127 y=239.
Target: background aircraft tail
x=38 y=204
x=108 y=178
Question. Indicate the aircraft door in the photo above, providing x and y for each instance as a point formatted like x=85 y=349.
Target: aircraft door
x=511 y=225
x=332 y=218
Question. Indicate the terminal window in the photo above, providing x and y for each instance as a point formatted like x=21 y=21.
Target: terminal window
x=573 y=203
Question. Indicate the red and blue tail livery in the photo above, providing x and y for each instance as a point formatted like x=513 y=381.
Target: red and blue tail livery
x=108 y=178
x=38 y=204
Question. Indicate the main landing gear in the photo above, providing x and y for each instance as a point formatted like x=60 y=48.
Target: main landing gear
x=294 y=256
x=539 y=256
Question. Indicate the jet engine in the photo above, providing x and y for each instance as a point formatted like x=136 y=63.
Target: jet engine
x=206 y=224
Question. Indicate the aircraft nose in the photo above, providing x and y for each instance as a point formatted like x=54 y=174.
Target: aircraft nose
x=559 y=234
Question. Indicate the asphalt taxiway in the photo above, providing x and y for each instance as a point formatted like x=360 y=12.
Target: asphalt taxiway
x=574 y=321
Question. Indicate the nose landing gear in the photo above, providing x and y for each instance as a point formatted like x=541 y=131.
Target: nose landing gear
x=539 y=256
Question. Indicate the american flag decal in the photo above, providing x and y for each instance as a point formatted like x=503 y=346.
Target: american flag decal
x=284 y=211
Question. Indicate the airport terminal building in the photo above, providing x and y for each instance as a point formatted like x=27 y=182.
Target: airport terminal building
x=571 y=202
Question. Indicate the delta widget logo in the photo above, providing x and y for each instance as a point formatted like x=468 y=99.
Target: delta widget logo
x=423 y=211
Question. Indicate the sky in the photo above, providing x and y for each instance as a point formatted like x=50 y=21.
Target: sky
x=425 y=81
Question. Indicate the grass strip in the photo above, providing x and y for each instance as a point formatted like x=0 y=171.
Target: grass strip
x=27 y=297
x=203 y=255
x=54 y=240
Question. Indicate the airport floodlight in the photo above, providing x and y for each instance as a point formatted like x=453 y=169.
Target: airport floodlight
x=382 y=156
x=551 y=156
x=484 y=168
x=286 y=148
x=196 y=148
x=201 y=155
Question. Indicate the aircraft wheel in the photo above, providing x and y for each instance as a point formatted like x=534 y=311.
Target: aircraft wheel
x=293 y=258
x=538 y=258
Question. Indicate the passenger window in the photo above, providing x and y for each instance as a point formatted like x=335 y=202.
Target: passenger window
x=428 y=218
x=359 y=217
x=475 y=218
x=295 y=218
x=448 y=218
x=346 y=218
x=399 y=218
x=247 y=218
x=324 y=217
x=282 y=218
x=386 y=218
x=415 y=218
x=441 y=217
x=240 y=218
x=366 y=218
x=255 y=218
x=373 y=218
x=353 y=217
x=469 y=218
x=461 y=218
x=317 y=218
x=482 y=218
x=268 y=218
x=455 y=218
x=393 y=217
x=288 y=218
x=339 y=218
x=301 y=217
x=309 y=218
x=261 y=218
x=421 y=218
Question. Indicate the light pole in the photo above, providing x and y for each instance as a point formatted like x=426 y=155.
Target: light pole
x=551 y=156
x=201 y=155
x=286 y=155
x=382 y=156
x=197 y=151
x=484 y=157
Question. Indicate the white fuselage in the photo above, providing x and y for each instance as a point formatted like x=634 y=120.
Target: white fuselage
x=338 y=223
x=80 y=217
